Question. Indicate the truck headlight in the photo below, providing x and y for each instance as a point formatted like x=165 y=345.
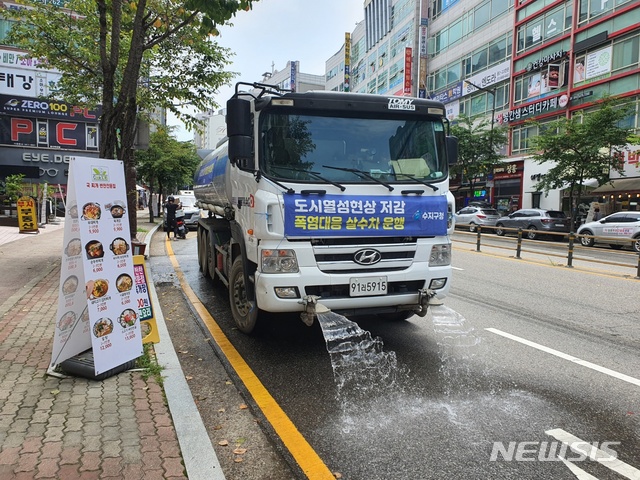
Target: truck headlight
x=440 y=255
x=279 y=261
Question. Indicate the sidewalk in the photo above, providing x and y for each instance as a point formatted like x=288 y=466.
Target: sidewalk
x=73 y=428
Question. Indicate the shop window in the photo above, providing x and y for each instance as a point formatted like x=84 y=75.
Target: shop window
x=535 y=199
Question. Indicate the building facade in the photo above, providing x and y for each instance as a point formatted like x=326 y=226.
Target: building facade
x=542 y=60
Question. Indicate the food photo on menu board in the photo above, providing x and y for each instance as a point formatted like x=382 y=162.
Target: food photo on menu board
x=97 y=256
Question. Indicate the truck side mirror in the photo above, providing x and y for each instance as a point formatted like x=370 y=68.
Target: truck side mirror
x=452 y=149
x=241 y=152
x=240 y=133
x=238 y=117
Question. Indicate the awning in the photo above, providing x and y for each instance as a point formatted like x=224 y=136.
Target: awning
x=619 y=185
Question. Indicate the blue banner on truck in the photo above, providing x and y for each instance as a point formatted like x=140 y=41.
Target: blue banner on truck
x=357 y=215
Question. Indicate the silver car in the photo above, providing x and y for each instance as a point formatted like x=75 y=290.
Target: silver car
x=617 y=230
x=474 y=216
x=535 y=221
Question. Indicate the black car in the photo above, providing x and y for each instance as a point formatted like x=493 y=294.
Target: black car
x=535 y=220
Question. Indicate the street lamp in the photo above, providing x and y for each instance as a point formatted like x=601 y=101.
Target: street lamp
x=493 y=118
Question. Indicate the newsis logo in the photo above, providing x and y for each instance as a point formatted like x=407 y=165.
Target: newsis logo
x=553 y=451
x=99 y=174
x=399 y=103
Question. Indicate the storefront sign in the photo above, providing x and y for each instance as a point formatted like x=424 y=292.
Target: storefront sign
x=599 y=62
x=408 y=57
x=533 y=109
x=293 y=74
x=347 y=61
x=53 y=165
x=449 y=95
x=21 y=106
x=27 y=215
x=98 y=305
x=547 y=59
x=27 y=83
x=45 y=133
x=487 y=78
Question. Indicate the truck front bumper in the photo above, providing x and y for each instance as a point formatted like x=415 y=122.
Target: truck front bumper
x=405 y=291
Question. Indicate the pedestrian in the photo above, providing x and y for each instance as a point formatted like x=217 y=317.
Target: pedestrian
x=171 y=206
x=596 y=214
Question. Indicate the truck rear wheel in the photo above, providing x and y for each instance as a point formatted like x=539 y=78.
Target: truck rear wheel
x=244 y=311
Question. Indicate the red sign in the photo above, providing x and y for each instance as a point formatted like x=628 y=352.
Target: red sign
x=48 y=133
x=408 y=56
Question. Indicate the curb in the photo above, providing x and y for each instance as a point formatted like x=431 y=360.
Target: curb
x=200 y=460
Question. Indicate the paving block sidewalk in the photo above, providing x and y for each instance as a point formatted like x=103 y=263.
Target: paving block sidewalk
x=73 y=428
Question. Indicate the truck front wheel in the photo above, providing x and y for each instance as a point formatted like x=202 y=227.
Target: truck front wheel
x=244 y=311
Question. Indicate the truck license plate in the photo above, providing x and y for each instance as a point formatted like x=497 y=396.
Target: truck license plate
x=363 y=287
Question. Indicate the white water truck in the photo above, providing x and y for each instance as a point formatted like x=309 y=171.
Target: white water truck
x=331 y=197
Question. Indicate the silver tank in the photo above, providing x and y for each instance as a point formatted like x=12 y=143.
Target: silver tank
x=210 y=184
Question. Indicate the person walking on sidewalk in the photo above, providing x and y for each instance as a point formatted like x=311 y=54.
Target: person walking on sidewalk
x=171 y=207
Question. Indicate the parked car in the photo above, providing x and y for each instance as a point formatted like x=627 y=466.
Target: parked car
x=474 y=216
x=536 y=221
x=191 y=212
x=618 y=229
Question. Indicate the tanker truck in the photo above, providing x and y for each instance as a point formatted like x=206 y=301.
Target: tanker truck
x=327 y=200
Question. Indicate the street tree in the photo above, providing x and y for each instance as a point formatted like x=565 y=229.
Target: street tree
x=478 y=148
x=167 y=165
x=589 y=145
x=128 y=57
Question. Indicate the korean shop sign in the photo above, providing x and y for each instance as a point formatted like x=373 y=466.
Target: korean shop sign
x=533 y=109
x=27 y=215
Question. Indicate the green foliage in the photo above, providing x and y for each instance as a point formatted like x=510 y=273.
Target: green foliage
x=149 y=364
x=585 y=146
x=167 y=164
x=162 y=50
x=129 y=57
x=13 y=186
x=477 y=147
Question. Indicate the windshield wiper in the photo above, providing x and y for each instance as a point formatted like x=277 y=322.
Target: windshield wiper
x=362 y=174
x=314 y=174
x=417 y=180
x=258 y=174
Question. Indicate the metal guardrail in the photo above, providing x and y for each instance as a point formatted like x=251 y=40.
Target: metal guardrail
x=572 y=239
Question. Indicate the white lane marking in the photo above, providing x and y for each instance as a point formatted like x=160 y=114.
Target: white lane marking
x=457 y=268
x=577 y=471
x=600 y=456
x=584 y=363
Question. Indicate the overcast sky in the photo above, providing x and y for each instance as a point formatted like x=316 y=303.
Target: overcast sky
x=276 y=31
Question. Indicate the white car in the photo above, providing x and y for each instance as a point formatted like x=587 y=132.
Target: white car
x=617 y=230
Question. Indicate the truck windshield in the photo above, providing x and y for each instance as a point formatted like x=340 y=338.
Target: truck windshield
x=302 y=147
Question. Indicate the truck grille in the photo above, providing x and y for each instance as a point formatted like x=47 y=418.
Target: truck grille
x=337 y=256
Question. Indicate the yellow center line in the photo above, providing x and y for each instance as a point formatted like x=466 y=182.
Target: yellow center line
x=305 y=456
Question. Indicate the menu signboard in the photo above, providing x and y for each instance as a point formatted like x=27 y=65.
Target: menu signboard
x=98 y=301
